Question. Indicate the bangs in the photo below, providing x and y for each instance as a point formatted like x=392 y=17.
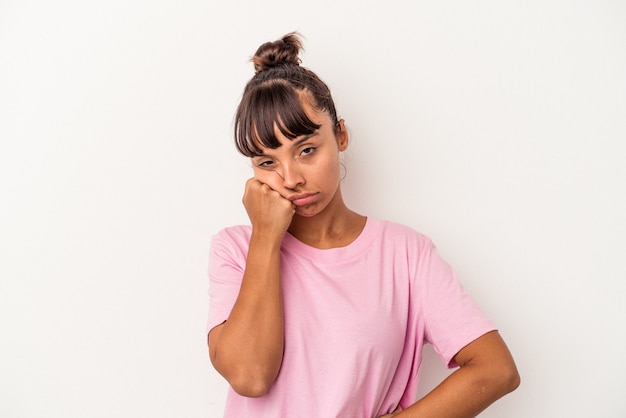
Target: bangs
x=261 y=109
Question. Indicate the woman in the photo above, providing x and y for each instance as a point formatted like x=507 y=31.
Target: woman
x=316 y=310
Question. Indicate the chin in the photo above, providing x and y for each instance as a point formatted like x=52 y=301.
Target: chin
x=305 y=213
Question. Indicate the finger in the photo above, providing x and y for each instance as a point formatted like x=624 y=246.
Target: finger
x=252 y=181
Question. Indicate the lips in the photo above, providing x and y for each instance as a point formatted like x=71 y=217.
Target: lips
x=303 y=199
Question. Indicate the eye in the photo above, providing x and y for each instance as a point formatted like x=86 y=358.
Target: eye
x=308 y=151
x=264 y=163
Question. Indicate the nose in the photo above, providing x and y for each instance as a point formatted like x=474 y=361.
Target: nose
x=292 y=176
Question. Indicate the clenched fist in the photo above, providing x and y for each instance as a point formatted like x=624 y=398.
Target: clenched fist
x=269 y=212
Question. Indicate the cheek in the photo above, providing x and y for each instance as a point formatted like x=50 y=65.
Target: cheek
x=333 y=170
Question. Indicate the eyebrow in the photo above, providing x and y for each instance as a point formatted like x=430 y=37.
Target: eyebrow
x=305 y=138
x=294 y=142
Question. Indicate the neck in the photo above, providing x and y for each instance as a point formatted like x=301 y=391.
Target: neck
x=336 y=226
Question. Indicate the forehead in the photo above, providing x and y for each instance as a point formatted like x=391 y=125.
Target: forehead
x=322 y=133
x=274 y=124
x=285 y=142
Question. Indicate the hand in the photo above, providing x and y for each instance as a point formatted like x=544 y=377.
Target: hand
x=396 y=412
x=267 y=209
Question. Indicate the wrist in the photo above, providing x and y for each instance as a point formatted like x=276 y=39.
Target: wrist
x=268 y=239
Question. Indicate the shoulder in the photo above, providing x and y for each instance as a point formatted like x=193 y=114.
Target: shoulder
x=401 y=233
x=234 y=233
x=234 y=239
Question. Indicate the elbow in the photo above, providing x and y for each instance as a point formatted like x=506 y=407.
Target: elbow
x=497 y=381
x=248 y=381
x=251 y=382
x=512 y=379
x=507 y=379
x=251 y=387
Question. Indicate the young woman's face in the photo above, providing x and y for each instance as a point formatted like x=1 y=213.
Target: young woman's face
x=305 y=170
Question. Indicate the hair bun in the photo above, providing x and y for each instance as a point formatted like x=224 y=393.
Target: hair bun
x=284 y=51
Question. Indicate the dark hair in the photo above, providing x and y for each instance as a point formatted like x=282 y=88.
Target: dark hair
x=274 y=97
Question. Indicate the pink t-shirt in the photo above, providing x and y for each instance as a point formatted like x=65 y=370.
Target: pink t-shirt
x=356 y=320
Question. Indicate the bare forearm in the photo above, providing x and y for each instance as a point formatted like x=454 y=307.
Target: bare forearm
x=249 y=346
x=459 y=396
x=487 y=373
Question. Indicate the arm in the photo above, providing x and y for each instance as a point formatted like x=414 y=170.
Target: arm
x=247 y=349
x=487 y=372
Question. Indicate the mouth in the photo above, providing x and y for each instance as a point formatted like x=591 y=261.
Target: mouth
x=303 y=199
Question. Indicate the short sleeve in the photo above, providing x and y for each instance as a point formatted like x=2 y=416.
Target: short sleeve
x=227 y=258
x=451 y=318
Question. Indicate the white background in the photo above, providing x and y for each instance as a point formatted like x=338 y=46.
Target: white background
x=497 y=128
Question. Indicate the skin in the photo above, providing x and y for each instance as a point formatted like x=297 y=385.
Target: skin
x=296 y=189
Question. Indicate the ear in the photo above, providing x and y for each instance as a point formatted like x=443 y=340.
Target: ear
x=342 y=136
